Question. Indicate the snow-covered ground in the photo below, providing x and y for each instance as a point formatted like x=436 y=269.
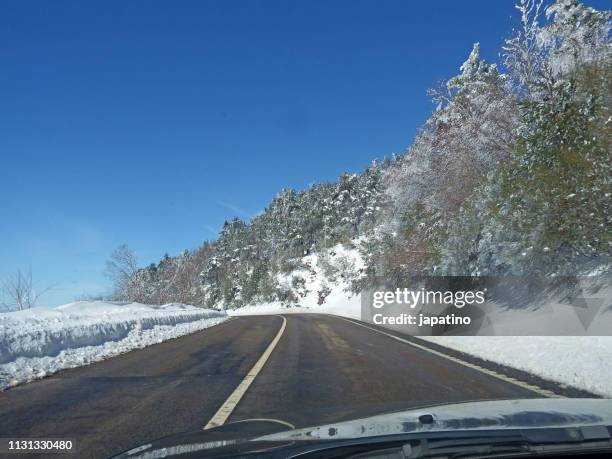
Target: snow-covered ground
x=584 y=362
x=38 y=342
x=339 y=303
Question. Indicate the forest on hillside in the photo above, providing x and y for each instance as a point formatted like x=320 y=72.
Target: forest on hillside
x=511 y=175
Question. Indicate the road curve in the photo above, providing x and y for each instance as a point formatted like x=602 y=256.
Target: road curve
x=323 y=369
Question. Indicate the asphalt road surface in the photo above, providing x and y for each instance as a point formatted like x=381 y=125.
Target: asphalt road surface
x=323 y=369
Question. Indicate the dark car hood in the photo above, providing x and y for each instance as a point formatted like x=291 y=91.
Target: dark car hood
x=251 y=436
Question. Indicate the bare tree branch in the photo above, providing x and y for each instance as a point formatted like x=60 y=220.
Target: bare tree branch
x=121 y=268
x=20 y=291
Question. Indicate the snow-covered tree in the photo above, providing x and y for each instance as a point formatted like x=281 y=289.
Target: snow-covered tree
x=577 y=35
x=523 y=53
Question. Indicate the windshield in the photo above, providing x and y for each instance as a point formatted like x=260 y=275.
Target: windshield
x=230 y=219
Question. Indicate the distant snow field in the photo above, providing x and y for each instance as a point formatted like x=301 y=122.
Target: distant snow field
x=37 y=342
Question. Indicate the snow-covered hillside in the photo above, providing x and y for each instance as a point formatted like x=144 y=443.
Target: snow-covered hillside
x=37 y=342
x=321 y=285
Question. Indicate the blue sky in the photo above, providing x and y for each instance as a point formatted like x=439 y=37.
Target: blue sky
x=150 y=123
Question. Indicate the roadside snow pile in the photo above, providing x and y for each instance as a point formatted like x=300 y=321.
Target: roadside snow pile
x=37 y=342
x=339 y=302
x=319 y=284
x=579 y=361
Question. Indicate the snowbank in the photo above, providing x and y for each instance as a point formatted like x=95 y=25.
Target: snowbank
x=37 y=342
x=584 y=362
x=339 y=302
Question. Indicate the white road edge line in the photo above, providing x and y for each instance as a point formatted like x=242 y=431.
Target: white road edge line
x=508 y=379
x=230 y=404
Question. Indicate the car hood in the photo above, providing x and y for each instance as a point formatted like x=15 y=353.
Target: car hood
x=259 y=435
x=495 y=414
